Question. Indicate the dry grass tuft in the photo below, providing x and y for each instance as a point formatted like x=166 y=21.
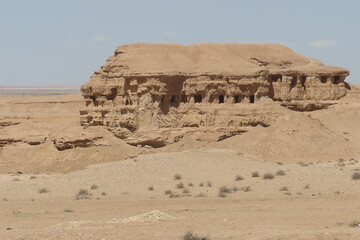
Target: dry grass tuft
x=223 y=191
x=193 y=236
x=177 y=177
x=167 y=192
x=180 y=185
x=239 y=178
x=82 y=194
x=355 y=176
x=280 y=173
x=185 y=190
x=255 y=174
x=151 y=188
x=268 y=176
x=93 y=187
x=43 y=190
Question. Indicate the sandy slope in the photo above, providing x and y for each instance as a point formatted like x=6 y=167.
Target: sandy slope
x=323 y=210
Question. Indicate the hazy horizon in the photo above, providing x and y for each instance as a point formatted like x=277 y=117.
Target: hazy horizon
x=62 y=42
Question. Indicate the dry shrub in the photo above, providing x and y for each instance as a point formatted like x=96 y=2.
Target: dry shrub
x=180 y=185
x=43 y=190
x=193 y=236
x=280 y=173
x=268 y=176
x=239 y=178
x=355 y=176
x=167 y=192
x=82 y=194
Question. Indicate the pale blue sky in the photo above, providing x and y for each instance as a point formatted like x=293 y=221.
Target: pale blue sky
x=62 y=42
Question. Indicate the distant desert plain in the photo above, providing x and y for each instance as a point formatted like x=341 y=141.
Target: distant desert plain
x=298 y=178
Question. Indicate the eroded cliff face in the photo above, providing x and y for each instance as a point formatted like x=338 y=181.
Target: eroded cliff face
x=154 y=94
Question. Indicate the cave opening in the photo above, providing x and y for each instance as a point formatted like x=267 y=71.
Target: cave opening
x=336 y=79
x=198 y=99
x=236 y=99
x=221 y=99
x=252 y=99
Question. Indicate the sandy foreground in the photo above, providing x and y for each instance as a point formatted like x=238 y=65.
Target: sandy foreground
x=312 y=194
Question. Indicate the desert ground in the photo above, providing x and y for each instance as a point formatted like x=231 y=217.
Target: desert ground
x=296 y=179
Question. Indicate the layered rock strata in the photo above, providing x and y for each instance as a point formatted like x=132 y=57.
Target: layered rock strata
x=157 y=93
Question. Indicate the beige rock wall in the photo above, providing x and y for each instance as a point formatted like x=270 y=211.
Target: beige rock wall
x=131 y=102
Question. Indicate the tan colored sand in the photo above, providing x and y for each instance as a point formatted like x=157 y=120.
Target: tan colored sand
x=321 y=211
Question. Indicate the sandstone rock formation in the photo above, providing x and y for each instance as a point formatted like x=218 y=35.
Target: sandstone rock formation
x=156 y=93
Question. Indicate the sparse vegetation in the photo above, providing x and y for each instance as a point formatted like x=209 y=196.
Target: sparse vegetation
x=307 y=186
x=223 y=191
x=68 y=210
x=82 y=194
x=222 y=195
x=284 y=188
x=193 y=236
x=209 y=184
x=190 y=184
x=177 y=177
x=268 y=176
x=93 y=187
x=280 y=163
x=185 y=190
x=280 y=173
x=355 y=176
x=239 y=178
x=180 y=185
x=255 y=174
x=43 y=190
x=151 y=188
x=16 y=180
x=32 y=177
x=201 y=184
x=235 y=189
x=5 y=199
x=167 y=192
x=103 y=193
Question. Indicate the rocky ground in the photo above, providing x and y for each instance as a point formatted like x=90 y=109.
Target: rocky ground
x=60 y=181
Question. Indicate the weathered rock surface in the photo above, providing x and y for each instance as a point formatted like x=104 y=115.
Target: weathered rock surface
x=76 y=137
x=156 y=93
